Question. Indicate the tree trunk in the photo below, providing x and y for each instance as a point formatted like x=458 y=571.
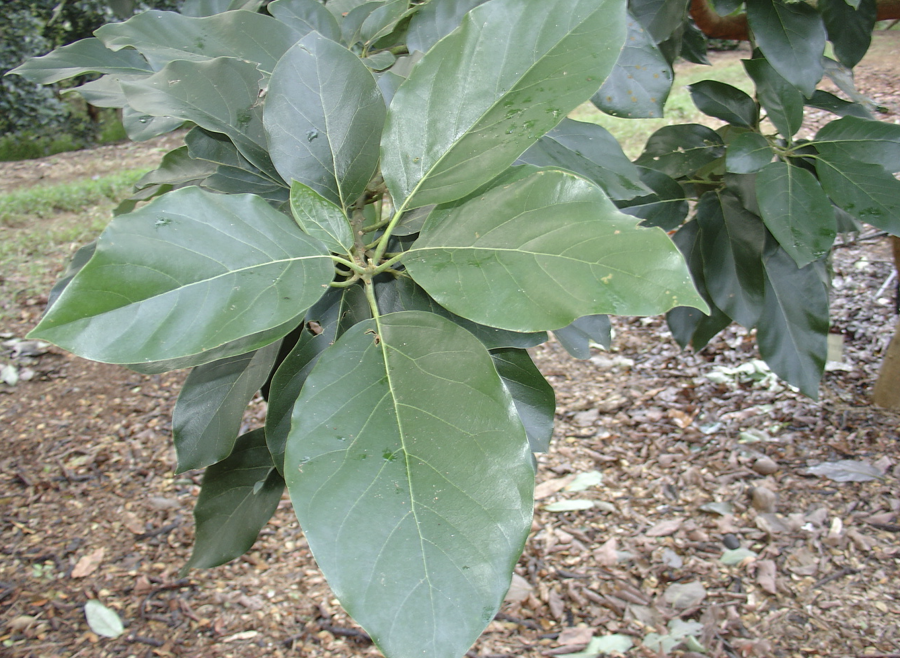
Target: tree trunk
x=887 y=388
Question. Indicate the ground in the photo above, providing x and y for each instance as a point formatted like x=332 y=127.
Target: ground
x=705 y=512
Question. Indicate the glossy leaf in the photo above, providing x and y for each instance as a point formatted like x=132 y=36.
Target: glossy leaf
x=831 y=103
x=792 y=37
x=210 y=408
x=666 y=207
x=459 y=108
x=164 y=36
x=849 y=28
x=402 y=294
x=724 y=102
x=184 y=275
x=221 y=95
x=237 y=180
x=576 y=338
x=875 y=142
x=781 y=100
x=796 y=211
x=793 y=328
x=591 y=151
x=534 y=398
x=681 y=150
x=140 y=126
x=85 y=56
x=305 y=16
x=661 y=17
x=639 y=83
x=237 y=498
x=866 y=191
x=320 y=218
x=435 y=20
x=748 y=153
x=343 y=7
x=104 y=91
x=732 y=247
x=327 y=320
x=79 y=260
x=417 y=543
x=548 y=249
x=323 y=117
x=381 y=21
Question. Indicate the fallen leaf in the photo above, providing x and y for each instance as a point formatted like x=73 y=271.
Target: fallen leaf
x=680 y=418
x=577 y=635
x=132 y=522
x=557 y=607
x=570 y=505
x=88 y=564
x=682 y=596
x=665 y=528
x=606 y=554
x=550 y=487
x=102 y=620
x=765 y=575
x=603 y=645
x=584 y=481
x=846 y=470
x=722 y=509
x=519 y=589
x=736 y=556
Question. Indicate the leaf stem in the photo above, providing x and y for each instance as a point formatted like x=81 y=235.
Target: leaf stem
x=356 y=267
x=373 y=303
x=389 y=263
x=386 y=236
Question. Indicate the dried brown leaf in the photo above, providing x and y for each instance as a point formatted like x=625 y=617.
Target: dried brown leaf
x=88 y=564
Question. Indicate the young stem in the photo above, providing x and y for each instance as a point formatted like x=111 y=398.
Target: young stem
x=358 y=269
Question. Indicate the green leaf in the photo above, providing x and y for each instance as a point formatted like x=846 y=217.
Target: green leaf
x=221 y=95
x=694 y=44
x=85 y=56
x=666 y=207
x=200 y=8
x=210 y=408
x=461 y=119
x=336 y=312
x=103 y=92
x=639 y=83
x=323 y=117
x=792 y=37
x=748 y=153
x=352 y=23
x=435 y=20
x=140 y=126
x=534 y=398
x=576 y=338
x=781 y=100
x=343 y=7
x=381 y=21
x=796 y=211
x=186 y=274
x=849 y=28
x=690 y=326
x=831 y=103
x=402 y=294
x=305 y=16
x=732 y=247
x=548 y=249
x=681 y=150
x=875 y=142
x=79 y=260
x=725 y=7
x=793 y=329
x=237 y=180
x=591 y=151
x=417 y=543
x=164 y=36
x=177 y=169
x=320 y=218
x=237 y=498
x=866 y=191
x=724 y=102
x=662 y=18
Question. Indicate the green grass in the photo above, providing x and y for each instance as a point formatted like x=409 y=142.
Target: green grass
x=633 y=133
x=22 y=205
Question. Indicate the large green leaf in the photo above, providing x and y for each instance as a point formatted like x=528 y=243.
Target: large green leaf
x=748 y=153
x=412 y=481
x=536 y=254
x=200 y=8
x=577 y=337
x=237 y=180
x=383 y=20
x=435 y=20
x=793 y=329
x=402 y=294
x=724 y=102
x=320 y=218
x=305 y=16
x=184 y=275
x=85 y=56
x=792 y=37
x=327 y=321
x=323 y=117
x=533 y=396
x=104 y=91
x=732 y=241
x=590 y=151
x=164 y=36
x=681 y=150
x=875 y=142
x=485 y=93
x=237 y=498
x=796 y=210
x=831 y=103
x=781 y=100
x=866 y=191
x=221 y=95
x=662 y=18
x=210 y=408
x=666 y=207
x=849 y=28
x=639 y=84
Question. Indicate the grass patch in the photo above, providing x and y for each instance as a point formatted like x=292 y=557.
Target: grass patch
x=22 y=205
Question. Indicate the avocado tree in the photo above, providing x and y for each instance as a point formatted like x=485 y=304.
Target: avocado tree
x=380 y=206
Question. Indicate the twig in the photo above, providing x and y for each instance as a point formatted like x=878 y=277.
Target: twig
x=846 y=571
x=889 y=527
x=527 y=623
x=146 y=640
x=163 y=530
x=345 y=632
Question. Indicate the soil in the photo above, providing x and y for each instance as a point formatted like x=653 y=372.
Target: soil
x=697 y=456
